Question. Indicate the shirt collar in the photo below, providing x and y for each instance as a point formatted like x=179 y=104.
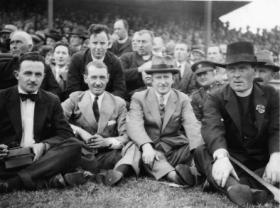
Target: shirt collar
x=100 y=97
x=123 y=41
x=20 y=90
x=244 y=94
x=146 y=57
x=94 y=59
x=166 y=96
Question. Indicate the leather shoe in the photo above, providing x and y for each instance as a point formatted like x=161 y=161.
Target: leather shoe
x=57 y=181
x=4 y=187
x=240 y=194
x=75 y=178
x=185 y=174
x=109 y=178
x=259 y=196
x=207 y=187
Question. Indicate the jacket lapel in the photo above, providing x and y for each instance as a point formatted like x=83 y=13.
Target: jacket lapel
x=106 y=110
x=13 y=109
x=232 y=108
x=86 y=109
x=169 y=108
x=260 y=104
x=40 y=113
x=153 y=106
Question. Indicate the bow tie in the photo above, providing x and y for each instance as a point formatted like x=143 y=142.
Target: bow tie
x=32 y=97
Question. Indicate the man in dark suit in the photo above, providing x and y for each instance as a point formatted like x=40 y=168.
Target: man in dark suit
x=241 y=120
x=21 y=43
x=99 y=43
x=137 y=62
x=122 y=44
x=33 y=118
x=186 y=80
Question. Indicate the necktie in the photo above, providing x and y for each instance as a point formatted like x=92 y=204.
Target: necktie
x=161 y=107
x=95 y=108
x=32 y=97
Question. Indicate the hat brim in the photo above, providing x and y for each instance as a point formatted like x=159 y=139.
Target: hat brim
x=225 y=65
x=193 y=67
x=5 y=31
x=167 y=70
x=275 y=68
x=79 y=35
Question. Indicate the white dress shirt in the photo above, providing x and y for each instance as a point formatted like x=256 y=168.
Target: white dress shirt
x=181 y=67
x=165 y=97
x=59 y=71
x=27 y=108
x=99 y=101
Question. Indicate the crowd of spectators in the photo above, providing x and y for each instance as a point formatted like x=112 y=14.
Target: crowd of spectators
x=170 y=28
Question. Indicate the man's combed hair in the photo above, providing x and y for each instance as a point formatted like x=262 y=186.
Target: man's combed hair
x=98 y=28
x=30 y=56
x=96 y=64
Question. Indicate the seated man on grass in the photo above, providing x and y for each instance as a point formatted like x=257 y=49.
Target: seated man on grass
x=98 y=118
x=32 y=120
x=162 y=124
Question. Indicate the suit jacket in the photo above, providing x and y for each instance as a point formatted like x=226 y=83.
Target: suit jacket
x=222 y=126
x=179 y=125
x=78 y=110
x=118 y=49
x=130 y=62
x=61 y=83
x=50 y=125
x=187 y=83
x=8 y=64
x=75 y=79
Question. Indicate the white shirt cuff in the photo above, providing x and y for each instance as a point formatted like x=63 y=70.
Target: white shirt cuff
x=220 y=153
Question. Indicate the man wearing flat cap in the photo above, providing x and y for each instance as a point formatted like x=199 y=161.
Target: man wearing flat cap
x=162 y=124
x=266 y=69
x=77 y=37
x=205 y=77
x=241 y=121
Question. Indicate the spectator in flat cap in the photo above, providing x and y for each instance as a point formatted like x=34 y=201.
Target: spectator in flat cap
x=197 y=54
x=163 y=126
x=205 y=78
x=76 y=40
x=266 y=69
x=240 y=121
x=98 y=50
x=52 y=36
x=5 y=37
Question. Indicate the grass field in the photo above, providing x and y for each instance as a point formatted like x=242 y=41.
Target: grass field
x=130 y=193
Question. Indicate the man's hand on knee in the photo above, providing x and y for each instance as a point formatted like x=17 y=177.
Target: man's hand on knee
x=221 y=170
x=149 y=155
x=38 y=150
x=272 y=170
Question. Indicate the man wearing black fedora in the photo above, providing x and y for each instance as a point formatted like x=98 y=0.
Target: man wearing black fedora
x=266 y=69
x=163 y=126
x=241 y=121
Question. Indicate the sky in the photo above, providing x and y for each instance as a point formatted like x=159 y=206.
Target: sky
x=263 y=14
